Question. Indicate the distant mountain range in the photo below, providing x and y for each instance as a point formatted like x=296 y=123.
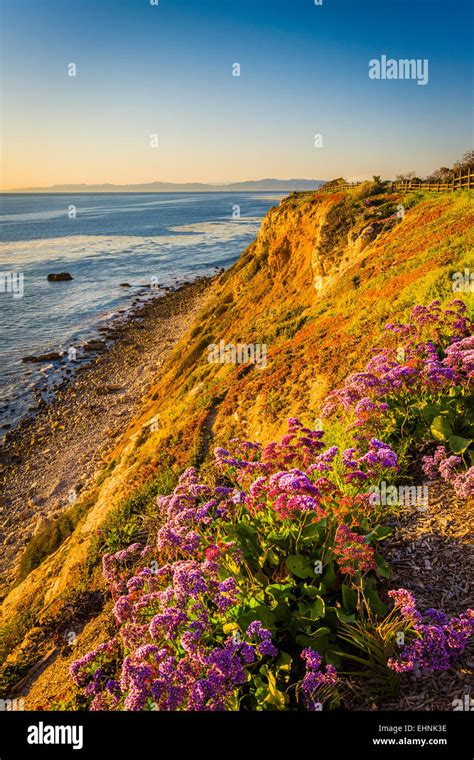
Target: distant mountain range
x=282 y=185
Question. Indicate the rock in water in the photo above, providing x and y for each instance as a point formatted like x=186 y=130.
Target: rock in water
x=59 y=277
x=95 y=345
x=51 y=357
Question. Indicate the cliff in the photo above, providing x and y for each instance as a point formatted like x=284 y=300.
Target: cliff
x=310 y=295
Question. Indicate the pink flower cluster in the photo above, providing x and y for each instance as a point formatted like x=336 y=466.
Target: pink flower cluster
x=440 y=464
x=352 y=553
x=297 y=449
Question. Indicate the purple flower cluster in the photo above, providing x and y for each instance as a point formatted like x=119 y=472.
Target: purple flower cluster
x=438 y=353
x=168 y=615
x=201 y=680
x=90 y=672
x=315 y=677
x=460 y=356
x=113 y=565
x=190 y=513
x=378 y=457
x=463 y=484
x=168 y=623
x=439 y=641
x=264 y=645
x=440 y=464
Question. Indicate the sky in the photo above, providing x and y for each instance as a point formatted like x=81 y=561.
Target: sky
x=166 y=70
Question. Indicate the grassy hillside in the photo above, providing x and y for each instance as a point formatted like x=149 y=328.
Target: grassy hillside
x=316 y=287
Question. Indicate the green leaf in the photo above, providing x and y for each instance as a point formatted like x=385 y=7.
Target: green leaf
x=312 y=532
x=281 y=591
x=272 y=558
x=318 y=640
x=248 y=542
x=329 y=577
x=430 y=411
x=282 y=612
x=379 y=533
x=335 y=615
x=343 y=616
x=349 y=598
x=299 y=566
x=317 y=608
x=323 y=631
x=262 y=613
x=283 y=662
x=376 y=605
x=278 y=536
x=303 y=640
x=383 y=568
x=268 y=696
x=458 y=444
x=311 y=591
x=441 y=428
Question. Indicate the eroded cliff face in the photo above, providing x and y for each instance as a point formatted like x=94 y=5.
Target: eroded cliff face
x=315 y=288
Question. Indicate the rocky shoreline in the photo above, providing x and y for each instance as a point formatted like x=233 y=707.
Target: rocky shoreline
x=48 y=459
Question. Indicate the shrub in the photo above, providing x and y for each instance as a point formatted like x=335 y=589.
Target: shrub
x=251 y=580
x=420 y=388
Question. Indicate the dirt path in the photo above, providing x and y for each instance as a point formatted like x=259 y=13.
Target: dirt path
x=431 y=555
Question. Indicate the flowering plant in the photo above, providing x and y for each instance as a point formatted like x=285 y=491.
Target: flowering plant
x=421 y=385
x=256 y=590
x=243 y=578
x=437 y=641
x=440 y=464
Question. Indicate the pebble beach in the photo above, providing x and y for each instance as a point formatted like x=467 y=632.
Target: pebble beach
x=51 y=456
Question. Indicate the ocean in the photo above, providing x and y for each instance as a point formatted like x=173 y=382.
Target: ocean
x=102 y=240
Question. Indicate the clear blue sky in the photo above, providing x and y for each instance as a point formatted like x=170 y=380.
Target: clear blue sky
x=167 y=70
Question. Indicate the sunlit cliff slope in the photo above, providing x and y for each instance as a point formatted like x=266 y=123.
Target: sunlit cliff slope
x=312 y=294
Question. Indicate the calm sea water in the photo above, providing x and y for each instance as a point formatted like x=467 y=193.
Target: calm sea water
x=134 y=238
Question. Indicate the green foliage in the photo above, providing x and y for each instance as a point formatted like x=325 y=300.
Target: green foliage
x=290 y=326
x=268 y=690
x=46 y=541
x=107 y=470
x=452 y=423
x=448 y=419
x=366 y=646
x=290 y=583
x=130 y=518
x=410 y=200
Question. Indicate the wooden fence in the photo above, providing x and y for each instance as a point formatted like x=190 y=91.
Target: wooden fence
x=457 y=182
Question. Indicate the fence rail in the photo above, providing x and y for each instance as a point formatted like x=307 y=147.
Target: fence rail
x=457 y=182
